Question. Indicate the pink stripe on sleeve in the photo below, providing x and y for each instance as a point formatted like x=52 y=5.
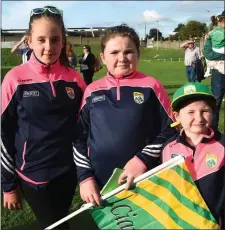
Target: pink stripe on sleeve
x=11 y=192
x=8 y=89
x=140 y=162
x=89 y=178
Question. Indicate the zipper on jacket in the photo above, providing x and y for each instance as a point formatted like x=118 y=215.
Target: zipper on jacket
x=117 y=89
x=51 y=83
x=193 y=155
x=23 y=155
x=89 y=151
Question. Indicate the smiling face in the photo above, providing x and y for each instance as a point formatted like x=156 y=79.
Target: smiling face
x=46 y=40
x=195 y=118
x=120 y=56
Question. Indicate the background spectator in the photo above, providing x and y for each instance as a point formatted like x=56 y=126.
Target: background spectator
x=218 y=79
x=25 y=52
x=192 y=55
x=217 y=37
x=71 y=55
x=87 y=62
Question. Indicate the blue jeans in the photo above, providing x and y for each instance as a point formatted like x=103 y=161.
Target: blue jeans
x=218 y=89
x=191 y=73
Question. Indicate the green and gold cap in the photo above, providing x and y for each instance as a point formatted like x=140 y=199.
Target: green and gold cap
x=189 y=91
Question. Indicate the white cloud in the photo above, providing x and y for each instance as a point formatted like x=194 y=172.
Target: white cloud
x=151 y=16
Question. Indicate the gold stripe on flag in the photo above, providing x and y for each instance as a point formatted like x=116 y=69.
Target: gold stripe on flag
x=182 y=211
x=149 y=207
x=183 y=186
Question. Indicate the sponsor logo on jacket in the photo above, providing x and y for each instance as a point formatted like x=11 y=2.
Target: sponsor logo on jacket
x=138 y=97
x=30 y=93
x=176 y=155
x=24 y=80
x=70 y=92
x=98 y=98
x=211 y=160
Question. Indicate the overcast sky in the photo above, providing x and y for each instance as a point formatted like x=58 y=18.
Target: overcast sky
x=15 y=14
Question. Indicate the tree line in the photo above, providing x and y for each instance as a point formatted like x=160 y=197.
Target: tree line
x=182 y=32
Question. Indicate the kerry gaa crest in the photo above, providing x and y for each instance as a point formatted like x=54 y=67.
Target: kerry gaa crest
x=189 y=89
x=70 y=92
x=138 y=97
x=211 y=160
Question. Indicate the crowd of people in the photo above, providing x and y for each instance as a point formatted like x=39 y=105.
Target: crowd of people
x=59 y=130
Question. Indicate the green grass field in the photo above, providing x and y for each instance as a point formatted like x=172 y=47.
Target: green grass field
x=171 y=74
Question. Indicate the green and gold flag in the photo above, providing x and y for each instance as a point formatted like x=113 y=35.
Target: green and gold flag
x=166 y=200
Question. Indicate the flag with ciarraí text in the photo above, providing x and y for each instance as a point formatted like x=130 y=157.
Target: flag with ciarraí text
x=166 y=200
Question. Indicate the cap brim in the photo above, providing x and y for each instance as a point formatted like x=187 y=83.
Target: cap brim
x=194 y=96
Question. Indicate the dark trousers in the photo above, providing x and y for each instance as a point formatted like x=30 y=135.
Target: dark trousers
x=191 y=73
x=88 y=76
x=52 y=202
x=218 y=89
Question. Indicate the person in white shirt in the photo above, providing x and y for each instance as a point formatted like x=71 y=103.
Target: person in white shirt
x=191 y=56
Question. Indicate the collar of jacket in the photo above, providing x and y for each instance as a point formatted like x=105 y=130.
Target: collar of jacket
x=131 y=75
x=41 y=67
x=205 y=139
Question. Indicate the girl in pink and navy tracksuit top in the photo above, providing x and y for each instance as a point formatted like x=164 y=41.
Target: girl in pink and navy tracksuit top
x=201 y=146
x=40 y=104
x=125 y=118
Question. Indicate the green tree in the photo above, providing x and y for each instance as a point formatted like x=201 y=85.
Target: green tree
x=176 y=35
x=178 y=28
x=153 y=34
x=193 y=29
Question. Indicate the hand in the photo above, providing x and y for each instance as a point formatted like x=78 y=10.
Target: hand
x=90 y=193
x=133 y=169
x=24 y=38
x=12 y=200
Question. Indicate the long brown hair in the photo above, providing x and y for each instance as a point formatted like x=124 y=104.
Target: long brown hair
x=58 y=19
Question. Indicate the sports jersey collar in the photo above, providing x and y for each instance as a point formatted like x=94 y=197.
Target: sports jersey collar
x=205 y=138
x=121 y=76
x=41 y=67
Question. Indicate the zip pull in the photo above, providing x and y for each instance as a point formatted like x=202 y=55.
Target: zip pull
x=50 y=80
x=118 y=89
x=193 y=154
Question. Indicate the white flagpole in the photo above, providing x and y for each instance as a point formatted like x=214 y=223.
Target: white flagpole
x=168 y=164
